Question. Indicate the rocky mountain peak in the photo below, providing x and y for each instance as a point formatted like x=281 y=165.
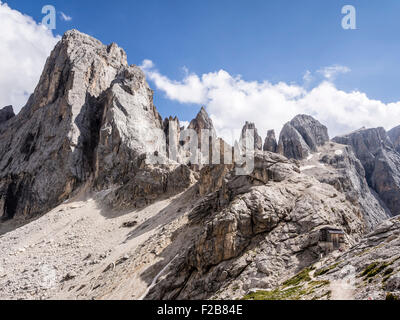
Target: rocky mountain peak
x=270 y=143
x=301 y=136
x=394 y=136
x=258 y=143
x=90 y=117
x=202 y=121
x=313 y=132
x=6 y=114
x=381 y=162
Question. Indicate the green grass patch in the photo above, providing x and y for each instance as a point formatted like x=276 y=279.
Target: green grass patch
x=323 y=271
x=294 y=293
x=375 y=268
x=392 y=297
x=298 y=278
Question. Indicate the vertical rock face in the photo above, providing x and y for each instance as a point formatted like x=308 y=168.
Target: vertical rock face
x=6 y=114
x=339 y=167
x=258 y=143
x=130 y=126
x=172 y=131
x=313 y=132
x=394 y=136
x=301 y=136
x=291 y=143
x=381 y=163
x=90 y=112
x=270 y=142
x=202 y=122
x=204 y=128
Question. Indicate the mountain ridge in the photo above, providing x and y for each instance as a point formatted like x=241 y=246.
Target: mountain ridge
x=90 y=150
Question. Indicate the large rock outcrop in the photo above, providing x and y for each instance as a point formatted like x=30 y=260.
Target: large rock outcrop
x=270 y=143
x=369 y=270
x=338 y=166
x=301 y=136
x=248 y=128
x=200 y=123
x=251 y=231
x=394 y=136
x=88 y=119
x=6 y=114
x=381 y=163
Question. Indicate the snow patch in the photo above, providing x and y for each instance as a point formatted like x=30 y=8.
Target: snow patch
x=338 y=152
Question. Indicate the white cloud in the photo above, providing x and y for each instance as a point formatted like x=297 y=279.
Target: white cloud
x=184 y=123
x=308 y=78
x=65 y=17
x=231 y=101
x=330 y=73
x=25 y=45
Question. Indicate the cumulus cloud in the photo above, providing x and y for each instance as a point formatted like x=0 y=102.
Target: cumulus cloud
x=25 y=45
x=184 y=124
x=65 y=17
x=231 y=101
x=331 y=72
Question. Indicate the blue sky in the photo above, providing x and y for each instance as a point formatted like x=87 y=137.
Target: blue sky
x=275 y=40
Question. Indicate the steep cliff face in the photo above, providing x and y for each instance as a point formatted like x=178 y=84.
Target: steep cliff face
x=270 y=143
x=251 y=127
x=6 y=114
x=301 y=136
x=252 y=231
x=381 y=163
x=130 y=126
x=305 y=139
x=338 y=166
x=79 y=124
x=394 y=136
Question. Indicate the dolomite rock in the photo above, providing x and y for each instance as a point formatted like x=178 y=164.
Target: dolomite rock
x=270 y=143
x=91 y=124
x=89 y=119
x=381 y=163
x=372 y=265
x=301 y=136
x=394 y=136
x=338 y=166
x=203 y=126
x=47 y=150
x=200 y=123
x=6 y=114
x=292 y=144
x=130 y=126
x=242 y=221
x=258 y=143
x=149 y=184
